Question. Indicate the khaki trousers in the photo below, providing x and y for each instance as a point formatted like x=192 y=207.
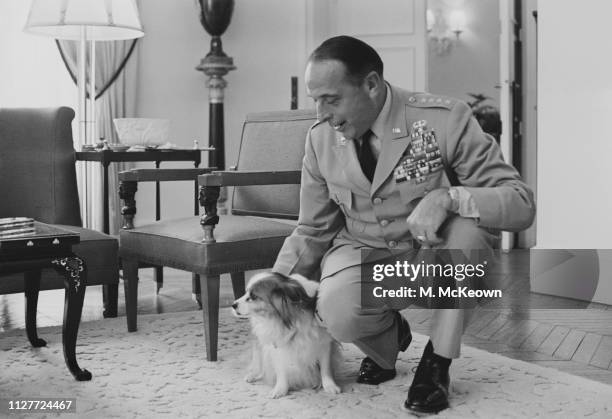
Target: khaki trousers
x=374 y=330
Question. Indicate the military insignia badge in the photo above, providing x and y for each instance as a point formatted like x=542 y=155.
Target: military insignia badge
x=422 y=157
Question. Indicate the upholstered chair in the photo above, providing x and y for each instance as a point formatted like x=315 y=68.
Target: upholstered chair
x=263 y=210
x=38 y=180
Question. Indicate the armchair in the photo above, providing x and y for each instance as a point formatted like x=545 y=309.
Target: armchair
x=38 y=180
x=264 y=206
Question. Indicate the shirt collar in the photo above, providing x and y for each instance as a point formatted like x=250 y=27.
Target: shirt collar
x=378 y=127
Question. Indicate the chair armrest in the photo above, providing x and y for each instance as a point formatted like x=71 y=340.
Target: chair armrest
x=246 y=178
x=128 y=185
x=210 y=186
x=162 y=175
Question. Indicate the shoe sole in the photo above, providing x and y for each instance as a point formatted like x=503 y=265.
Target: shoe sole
x=358 y=381
x=423 y=412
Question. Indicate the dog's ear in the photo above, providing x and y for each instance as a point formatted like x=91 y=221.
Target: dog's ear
x=281 y=303
x=288 y=297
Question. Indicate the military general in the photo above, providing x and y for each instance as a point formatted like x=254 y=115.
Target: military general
x=385 y=168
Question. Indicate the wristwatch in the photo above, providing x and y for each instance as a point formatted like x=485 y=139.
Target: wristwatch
x=453 y=193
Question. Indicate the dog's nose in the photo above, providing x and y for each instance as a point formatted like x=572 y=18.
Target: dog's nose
x=235 y=305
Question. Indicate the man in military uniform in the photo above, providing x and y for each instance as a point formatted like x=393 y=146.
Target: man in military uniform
x=385 y=168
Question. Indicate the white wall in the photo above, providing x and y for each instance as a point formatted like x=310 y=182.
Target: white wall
x=266 y=38
x=574 y=109
x=574 y=144
x=472 y=65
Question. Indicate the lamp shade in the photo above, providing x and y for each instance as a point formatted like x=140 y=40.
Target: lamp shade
x=103 y=20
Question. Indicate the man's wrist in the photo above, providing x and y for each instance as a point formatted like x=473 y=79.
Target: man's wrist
x=453 y=194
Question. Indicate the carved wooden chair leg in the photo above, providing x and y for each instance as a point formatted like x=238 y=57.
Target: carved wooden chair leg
x=210 y=312
x=32 y=287
x=130 y=284
x=238 y=284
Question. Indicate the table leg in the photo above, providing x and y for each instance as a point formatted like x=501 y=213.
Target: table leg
x=32 y=287
x=158 y=271
x=75 y=279
x=196 y=289
x=195 y=278
x=110 y=292
x=105 y=212
x=157 y=204
x=110 y=297
x=196 y=193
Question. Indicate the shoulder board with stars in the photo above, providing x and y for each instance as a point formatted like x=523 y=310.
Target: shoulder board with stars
x=426 y=100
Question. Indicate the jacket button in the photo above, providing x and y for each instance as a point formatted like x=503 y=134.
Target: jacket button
x=384 y=223
x=377 y=201
x=392 y=244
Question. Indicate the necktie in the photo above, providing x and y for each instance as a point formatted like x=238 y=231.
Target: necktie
x=366 y=156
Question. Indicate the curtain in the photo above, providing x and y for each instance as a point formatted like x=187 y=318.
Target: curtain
x=115 y=92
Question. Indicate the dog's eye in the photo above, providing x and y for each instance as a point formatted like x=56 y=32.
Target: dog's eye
x=252 y=297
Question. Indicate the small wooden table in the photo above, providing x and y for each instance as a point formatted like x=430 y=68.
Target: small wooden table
x=49 y=247
x=106 y=157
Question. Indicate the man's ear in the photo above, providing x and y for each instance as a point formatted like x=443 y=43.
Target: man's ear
x=374 y=83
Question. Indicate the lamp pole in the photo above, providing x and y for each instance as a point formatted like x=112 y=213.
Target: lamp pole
x=215 y=18
x=215 y=68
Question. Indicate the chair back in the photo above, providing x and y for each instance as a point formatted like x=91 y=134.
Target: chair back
x=37 y=165
x=272 y=141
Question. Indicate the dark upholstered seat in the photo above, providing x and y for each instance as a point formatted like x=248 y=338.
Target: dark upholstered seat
x=241 y=240
x=250 y=237
x=38 y=180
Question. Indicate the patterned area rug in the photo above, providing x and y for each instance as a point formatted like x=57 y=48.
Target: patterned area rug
x=161 y=371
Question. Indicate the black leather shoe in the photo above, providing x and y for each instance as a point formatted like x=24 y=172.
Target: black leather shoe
x=372 y=373
x=429 y=390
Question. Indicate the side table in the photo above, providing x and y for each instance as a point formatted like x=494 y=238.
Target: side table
x=49 y=247
x=106 y=157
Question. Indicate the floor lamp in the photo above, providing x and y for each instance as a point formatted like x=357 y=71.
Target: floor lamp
x=85 y=21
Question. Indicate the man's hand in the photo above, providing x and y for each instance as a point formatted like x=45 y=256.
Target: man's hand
x=428 y=216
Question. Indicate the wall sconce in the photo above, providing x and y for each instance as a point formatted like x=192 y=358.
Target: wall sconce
x=441 y=25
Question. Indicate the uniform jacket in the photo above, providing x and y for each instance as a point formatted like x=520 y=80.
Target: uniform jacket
x=341 y=212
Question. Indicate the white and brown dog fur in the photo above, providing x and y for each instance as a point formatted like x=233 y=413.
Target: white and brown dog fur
x=291 y=350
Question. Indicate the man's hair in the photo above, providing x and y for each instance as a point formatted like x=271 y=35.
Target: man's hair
x=358 y=57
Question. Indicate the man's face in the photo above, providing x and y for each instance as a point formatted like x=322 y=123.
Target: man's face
x=347 y=107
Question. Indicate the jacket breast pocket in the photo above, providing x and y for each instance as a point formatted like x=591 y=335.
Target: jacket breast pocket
x=342 y=197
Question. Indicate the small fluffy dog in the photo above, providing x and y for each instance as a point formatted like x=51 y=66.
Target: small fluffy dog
x=290 y=350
